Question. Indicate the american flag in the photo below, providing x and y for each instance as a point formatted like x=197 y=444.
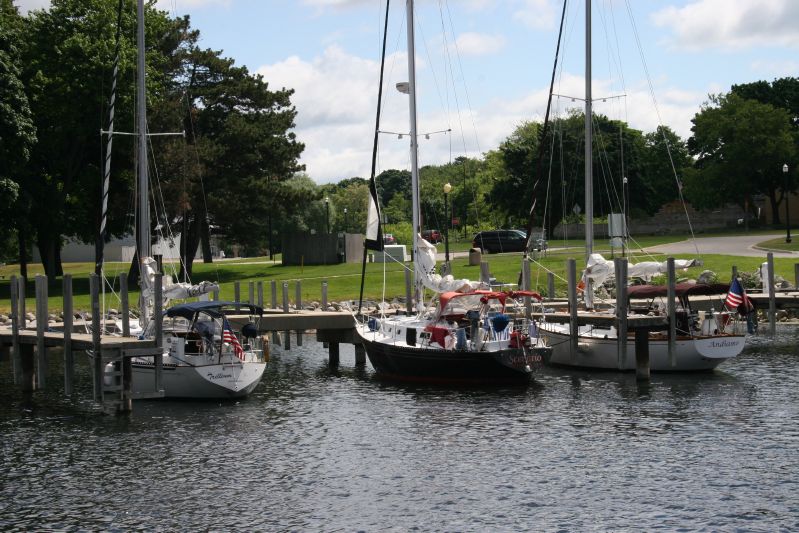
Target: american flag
x=736 y=295
x=230 y=337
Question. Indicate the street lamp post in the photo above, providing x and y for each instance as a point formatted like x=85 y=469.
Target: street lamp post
x=447 y=189
x=345 y=220
x=327 y=214
x=787 y=211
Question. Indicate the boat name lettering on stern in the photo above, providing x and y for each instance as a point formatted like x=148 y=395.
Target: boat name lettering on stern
x=219 y=375
x=724 y=344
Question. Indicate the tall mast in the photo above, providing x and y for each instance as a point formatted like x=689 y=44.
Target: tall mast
x=143 y=212
x=589 y=179
x=414 y=142
x=143 y=215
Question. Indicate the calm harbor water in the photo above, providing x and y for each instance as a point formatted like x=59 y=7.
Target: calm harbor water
x=318 y=450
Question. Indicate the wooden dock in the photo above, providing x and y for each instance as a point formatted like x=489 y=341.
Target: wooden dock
x=29 y=347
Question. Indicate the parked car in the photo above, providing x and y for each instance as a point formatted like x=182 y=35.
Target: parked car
x=500 y=240
x=388 y=238
x=433 y=236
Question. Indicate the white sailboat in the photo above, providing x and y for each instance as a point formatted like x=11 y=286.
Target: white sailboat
x=203 y=356
x=469 y=336
x=697 y=347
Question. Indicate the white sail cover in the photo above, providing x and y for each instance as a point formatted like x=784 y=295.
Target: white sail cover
x=170 y=290
x=374 y=235
x=426 y=271
x=600 y=269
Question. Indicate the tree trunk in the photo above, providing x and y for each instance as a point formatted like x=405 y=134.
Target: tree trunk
x=23 y=252
x=51 y=256
x=205 y=236
x=189 y=242
x=775 y=208
x=133 y=271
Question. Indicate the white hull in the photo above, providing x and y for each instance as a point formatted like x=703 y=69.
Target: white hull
x=226 y=380
x=599 y=349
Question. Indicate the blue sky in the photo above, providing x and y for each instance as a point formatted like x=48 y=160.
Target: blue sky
x=500 y=58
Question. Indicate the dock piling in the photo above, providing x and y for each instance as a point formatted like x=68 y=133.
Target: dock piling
x=642 y=354
x=772 y=297
x=408 y=292
x=298 y=307
x=69 y=360
x=528 y=304
x=125 y=301
x=97 y=357
x=16 y=355
x=334 y=356
x=671 y=282
x=23 y=316
x=620 y=268
x=485 y=272
x=159 y=339
x=41 y=327
x=360 y=355
x=574 y=328
x=550 y=286
x=286 y=333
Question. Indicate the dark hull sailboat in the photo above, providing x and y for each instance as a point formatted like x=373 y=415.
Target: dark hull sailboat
x=467 y=337
x=406 y=363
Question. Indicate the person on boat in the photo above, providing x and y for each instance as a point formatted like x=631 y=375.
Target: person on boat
x=747 y=310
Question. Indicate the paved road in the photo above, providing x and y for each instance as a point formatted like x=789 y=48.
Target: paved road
x=743 y=245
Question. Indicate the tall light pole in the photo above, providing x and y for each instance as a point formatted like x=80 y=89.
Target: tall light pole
x=327 y=213
x=447 y=189
x=787 y=211
x=345 y=220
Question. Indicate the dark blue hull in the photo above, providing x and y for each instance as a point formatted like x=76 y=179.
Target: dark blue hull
x=512 y=365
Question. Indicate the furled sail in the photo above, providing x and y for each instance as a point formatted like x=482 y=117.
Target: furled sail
x=600 y=269
x=170 y=289
x=426 y=271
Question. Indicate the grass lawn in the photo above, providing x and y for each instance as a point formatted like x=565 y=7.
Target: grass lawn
x=780 y=244
x=344 y=280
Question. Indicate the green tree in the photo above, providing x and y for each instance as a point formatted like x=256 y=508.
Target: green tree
x=664 y=154
x=782 y=93
x=68 y=58
x=350 y=200
x=740 y=146
x=242 y=144
x=618 y=151
x=17 y=131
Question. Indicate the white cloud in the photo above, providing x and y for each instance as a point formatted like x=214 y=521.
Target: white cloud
x=538 y=14
x=775 y=69
x=336 y=95
x=476 y=44
x=732 y=24
x=336 y=98
x=29 y=5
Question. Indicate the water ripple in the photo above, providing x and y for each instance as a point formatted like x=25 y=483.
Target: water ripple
x=315 y=449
